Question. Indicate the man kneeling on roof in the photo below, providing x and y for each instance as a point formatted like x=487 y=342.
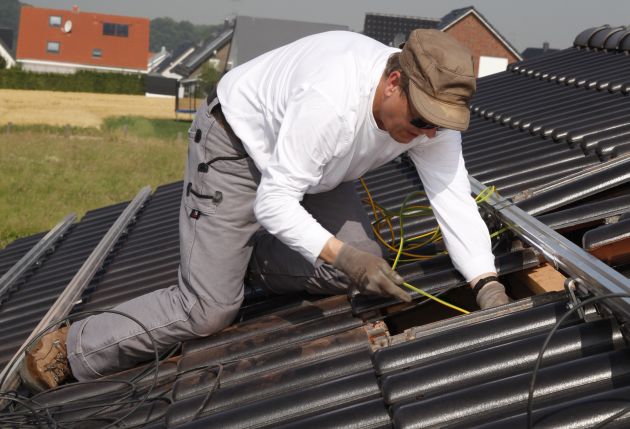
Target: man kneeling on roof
x=269 y=192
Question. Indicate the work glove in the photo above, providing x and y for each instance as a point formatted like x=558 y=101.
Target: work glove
x=492 y=294
x=370 y=273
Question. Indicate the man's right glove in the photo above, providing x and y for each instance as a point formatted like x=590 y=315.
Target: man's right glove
x=370 y=273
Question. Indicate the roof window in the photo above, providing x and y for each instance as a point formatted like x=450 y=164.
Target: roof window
x=54 y=21
x=112 y=29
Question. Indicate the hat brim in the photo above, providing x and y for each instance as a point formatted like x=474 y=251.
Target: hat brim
x=437 y=112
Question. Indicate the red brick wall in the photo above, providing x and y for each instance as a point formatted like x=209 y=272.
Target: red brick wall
x=472 y=33
x=87 y=34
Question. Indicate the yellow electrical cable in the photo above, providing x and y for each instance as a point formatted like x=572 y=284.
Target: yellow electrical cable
x=369 y=196
x=393 y=249
x=428 y=295
x=435 y=298
x=411 y=211
x=391 y=228
x=499 y=232
x=485 y=194
x=414 y=211
x=436 y=236
x=389 y=224
x=434 y=233
x=402 y=240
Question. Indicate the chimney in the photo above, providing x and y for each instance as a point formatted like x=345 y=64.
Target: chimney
x=75 y=9
x=545 y=46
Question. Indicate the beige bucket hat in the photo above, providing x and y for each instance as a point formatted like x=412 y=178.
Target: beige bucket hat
x=441 y=78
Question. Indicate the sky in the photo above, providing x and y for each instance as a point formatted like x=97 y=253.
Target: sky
x=524 y=23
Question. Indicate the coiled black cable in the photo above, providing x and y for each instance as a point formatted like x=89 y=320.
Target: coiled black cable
x=34 y=408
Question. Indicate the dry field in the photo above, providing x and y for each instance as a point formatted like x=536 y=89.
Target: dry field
x=78 y=109
x=117 y=144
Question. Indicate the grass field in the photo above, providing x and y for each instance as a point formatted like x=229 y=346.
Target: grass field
x=48 y=172
x=76 y=108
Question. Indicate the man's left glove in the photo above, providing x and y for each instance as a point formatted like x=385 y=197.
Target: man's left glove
x=491 y=294
x=370 y=273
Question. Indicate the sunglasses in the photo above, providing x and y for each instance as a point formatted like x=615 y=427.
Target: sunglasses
x=420 y=123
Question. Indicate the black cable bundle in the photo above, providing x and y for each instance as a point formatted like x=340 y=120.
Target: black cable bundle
x=532 y=384
x=25 y=412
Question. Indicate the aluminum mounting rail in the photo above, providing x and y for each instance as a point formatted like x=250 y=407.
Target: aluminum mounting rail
x=72 y=293
x=34 y=255
x=596 y=276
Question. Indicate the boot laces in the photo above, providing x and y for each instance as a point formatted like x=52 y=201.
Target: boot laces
x=59 y=365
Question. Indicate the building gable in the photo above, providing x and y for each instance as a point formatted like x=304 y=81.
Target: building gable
x=483 y=43
x=457 y=16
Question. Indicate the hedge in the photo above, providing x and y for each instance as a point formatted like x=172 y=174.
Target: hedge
x=81 y=81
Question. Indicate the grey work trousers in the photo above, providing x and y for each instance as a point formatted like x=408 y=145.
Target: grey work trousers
x=217 y=237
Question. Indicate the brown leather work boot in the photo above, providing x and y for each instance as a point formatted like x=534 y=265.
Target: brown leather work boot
x=45 y=364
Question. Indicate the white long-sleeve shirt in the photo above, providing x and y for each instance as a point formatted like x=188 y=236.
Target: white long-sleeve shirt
x=304 y=115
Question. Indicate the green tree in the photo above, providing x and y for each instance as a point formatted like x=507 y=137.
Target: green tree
x=208 y=78
x=170 y=33
x=3 y=63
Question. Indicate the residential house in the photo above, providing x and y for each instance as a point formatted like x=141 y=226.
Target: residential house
x=492 y=52
x=243 y=39
x=64 y=41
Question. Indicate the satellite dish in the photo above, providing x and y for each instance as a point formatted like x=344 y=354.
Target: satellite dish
x=67 y=26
